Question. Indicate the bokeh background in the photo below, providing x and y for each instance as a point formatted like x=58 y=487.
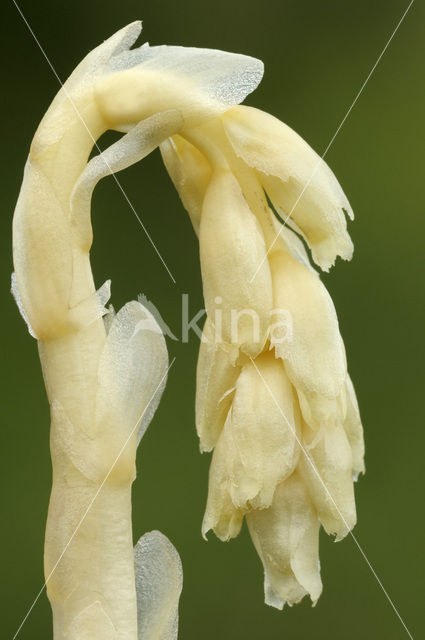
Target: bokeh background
x=317 y=55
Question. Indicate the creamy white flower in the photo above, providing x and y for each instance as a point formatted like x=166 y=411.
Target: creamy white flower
x=286 y=536
x=260 y=434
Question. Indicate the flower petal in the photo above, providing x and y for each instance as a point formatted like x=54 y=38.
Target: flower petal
x=289 y=240
x=297 y=180
x=190 y=172
x=264 y=425
x=354 y=430
x=327 y=472
x=231 y=248
x=215 y=379
x=320 y=411
x=286 y=536
x=315 y=355
x=221 y=515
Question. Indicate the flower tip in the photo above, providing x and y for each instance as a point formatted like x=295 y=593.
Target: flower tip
x=327 y=251
x=208 y=526
x=225 y=526
x=273 y=600
x=205 y=448
x=340 y=536
x=133 y=31
x=343 y=532
x=358 y=472
x=287 y=594
x=315 y=600
x=136 y=25
x=204 y=532
x=341 y=523
x=124 y=38
x=348 y=210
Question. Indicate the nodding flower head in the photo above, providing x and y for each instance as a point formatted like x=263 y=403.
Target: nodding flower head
x=274 y=399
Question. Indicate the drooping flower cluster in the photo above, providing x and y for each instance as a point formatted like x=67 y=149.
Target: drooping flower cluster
x=274 y=399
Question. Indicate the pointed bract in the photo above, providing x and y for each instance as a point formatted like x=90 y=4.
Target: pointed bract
x=132 y=372
x=159 y=581
x=200 y=83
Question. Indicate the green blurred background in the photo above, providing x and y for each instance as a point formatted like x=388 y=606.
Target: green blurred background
x=317 y=55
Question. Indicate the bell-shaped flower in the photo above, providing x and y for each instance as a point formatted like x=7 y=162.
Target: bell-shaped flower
x=286 y=536
x=258 y=447
x=298 y=182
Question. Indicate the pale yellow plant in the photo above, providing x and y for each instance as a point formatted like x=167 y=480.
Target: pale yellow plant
x=277 y=406
x=104 y=373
